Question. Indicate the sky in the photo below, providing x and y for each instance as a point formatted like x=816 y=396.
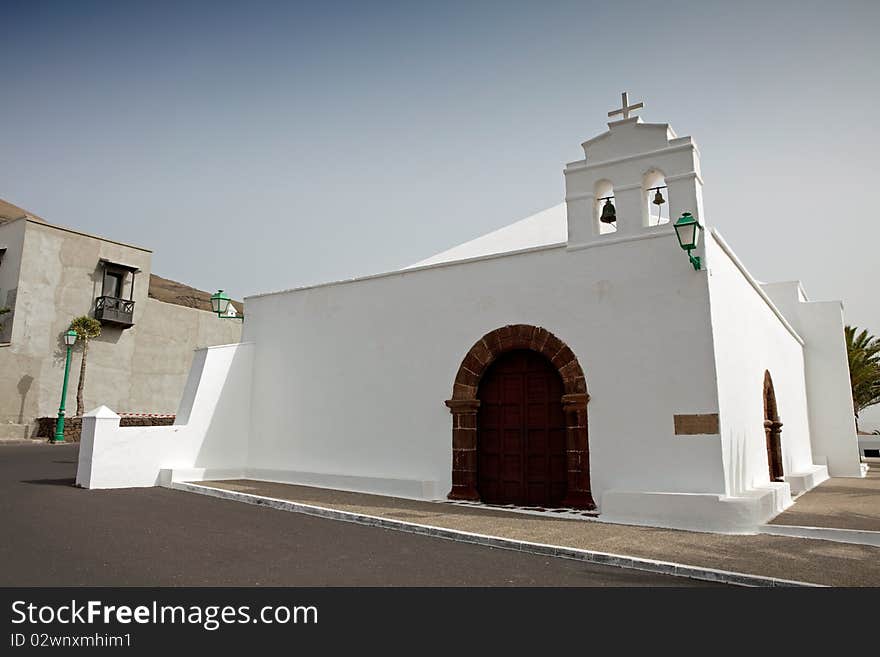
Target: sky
x=258 y=146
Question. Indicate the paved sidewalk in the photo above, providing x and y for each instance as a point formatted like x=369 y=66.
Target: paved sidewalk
x=807 y=560
x=838 y=503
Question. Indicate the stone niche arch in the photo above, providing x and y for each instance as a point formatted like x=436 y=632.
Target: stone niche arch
x=772 y=430
x=464 y=405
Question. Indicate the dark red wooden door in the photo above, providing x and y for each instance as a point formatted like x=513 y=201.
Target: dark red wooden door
x=521 y=432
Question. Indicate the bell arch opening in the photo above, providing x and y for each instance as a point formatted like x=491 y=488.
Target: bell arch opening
x=604 y=208
x=465 y=409
x=655 y=199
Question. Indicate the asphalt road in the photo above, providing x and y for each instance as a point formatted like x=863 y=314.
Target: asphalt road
x=54 y=534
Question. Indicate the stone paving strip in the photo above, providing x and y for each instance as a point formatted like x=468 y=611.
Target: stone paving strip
x=849 y=504
x=796 y=560
x=845 y=510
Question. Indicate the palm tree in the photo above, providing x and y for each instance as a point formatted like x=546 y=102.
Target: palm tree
x=86 y=328
x=863 y=351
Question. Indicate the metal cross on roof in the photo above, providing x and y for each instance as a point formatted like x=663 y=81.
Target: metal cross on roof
x=625 y=108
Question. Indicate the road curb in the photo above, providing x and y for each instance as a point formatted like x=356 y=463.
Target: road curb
x=590 y=556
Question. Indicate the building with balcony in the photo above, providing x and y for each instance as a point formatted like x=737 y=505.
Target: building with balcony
x=50 y=274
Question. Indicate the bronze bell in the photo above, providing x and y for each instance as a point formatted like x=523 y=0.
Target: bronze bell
x=609 y=216
x=658 y=198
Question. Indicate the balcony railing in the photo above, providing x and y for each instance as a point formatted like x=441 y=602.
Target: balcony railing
x=110 y=310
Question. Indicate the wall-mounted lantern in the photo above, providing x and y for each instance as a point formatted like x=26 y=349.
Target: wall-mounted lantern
x=687 y=229
x=221 y=304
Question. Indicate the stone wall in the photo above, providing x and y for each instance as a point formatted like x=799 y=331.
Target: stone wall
x=143 y=367
x=73 y=425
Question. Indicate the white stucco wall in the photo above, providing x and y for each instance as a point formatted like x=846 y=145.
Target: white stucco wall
x=350 y=378
x=209 y=438
x=751 y=338
x=832 y=419
x=870 y=442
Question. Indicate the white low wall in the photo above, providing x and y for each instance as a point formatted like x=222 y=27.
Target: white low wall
x=211 y=432
x=868 y=442
x=414 y=489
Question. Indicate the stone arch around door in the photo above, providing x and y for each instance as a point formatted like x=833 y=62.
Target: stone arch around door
x=464 y=406
x=772 y=430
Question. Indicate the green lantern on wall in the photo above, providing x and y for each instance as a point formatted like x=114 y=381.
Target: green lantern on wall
x=220 y=303
x=688 y=229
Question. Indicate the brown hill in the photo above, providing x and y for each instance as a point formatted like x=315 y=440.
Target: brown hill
x=163 y=289
x=10 y=212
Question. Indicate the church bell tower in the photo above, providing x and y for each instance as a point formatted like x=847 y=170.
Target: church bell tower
x=635 y=179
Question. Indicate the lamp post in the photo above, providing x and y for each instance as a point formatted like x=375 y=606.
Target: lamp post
x=69 y=340
x=688 y=229
x=220 y=304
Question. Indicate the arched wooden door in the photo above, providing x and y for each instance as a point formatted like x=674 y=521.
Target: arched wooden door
x=521 y=432
x=772 y=430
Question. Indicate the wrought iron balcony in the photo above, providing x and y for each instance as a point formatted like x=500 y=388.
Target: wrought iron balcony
x=111 y=310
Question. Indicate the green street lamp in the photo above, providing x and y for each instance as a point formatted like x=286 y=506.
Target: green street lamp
x=220 y=305
x=688 y=229
x=69 y=340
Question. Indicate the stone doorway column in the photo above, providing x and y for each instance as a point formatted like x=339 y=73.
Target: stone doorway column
x=577 y=453
x=464 y=449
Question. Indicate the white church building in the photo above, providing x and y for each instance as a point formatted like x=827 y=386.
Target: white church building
x=577 y=358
